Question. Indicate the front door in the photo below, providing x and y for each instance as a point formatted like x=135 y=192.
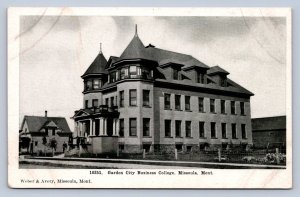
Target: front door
x=109 y=126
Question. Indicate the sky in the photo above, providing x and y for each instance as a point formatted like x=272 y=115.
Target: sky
x=56 y=50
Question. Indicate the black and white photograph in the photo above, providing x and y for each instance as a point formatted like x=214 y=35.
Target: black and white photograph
x=161 y=94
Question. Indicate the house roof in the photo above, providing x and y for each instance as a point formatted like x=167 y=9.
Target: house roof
x=269 y=123
x=97 y=66
x=35 y=123
x=135 y=50
x=216 y=69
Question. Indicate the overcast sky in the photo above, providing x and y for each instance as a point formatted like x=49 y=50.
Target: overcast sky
x=55 y=51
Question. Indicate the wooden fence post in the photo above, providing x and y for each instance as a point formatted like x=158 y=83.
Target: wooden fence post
x=277 y=156
x=219 y=154
x=144 y=153
x=176 y=156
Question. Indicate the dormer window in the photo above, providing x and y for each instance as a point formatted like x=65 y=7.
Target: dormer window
x=223 y=82
x=200 y=77
x=175 y=74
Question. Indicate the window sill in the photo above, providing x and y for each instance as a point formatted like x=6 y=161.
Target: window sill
x=132 y=106
x=214 y=138
x=168 y=109
x=147 y=136
x=235 y=138
x=224 y=113
x=178 y=109
x=133 y=136
x=168 y=137
x=213 y=112
x=244 y=138
x=188 y=110
x=201 y=111
x=224 y=138
x=203 y=137
x=147 y=106
x=178 y=137
x=189 y=137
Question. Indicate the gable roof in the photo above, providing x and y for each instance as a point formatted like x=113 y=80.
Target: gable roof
x=216 y=69
x=97 y=66
x=35 y=123
x=269 y=123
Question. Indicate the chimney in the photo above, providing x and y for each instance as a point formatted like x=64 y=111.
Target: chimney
x=46 y=113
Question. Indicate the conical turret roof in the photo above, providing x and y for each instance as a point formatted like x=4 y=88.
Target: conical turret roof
x=98 y=65
x=135 y=50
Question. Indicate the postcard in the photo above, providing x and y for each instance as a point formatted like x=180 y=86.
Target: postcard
x=149 y=97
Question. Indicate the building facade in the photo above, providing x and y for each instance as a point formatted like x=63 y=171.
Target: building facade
x=159 y=100
x=37 y=132
x=269 y=132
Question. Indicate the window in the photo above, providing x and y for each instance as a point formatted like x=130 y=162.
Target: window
x=223 y=82
x=213 y=129
x=53 y=131
x=200 y=77
x=36 y=143
x=132 y=97
x=188 y=148
x=146 y=97
x=132 y=127
x=178 y=147
x=88 y=85
x=106 y=101
x=146 y=127
x=175 y=74
x=146 y=147
x=188 y=132
x=146 y=74
x=242 y=105
x=133 y=71
x=177 y=102
x=201 y=104
x=121 y=147
x=223 y=125
x=232 y=103
x=86 y=104
x=167 y=101
x=233 y=129
x=244 y=134
x=168 y=128
x=96 y=84
x=187 y=103
x=122 y=73
x=46 y=131
x=95 y=102
x=178 y=128
x=223 y=109
x=121 y=93
x=112 y=102
x=212 y=106
x=121 y=127
x=112 y=77
x=201 y=130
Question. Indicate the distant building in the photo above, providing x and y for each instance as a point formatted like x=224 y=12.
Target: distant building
x=154 y=99
x=36 y=130
x=269 y=132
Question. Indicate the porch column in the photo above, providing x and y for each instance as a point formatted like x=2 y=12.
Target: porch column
x=94 y=128
x=117 y=127
x=101 y=126
x=105 y=126
x=114 y=127
x=91 y=127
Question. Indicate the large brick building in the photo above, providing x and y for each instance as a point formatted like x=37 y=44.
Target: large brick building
x=154 y=99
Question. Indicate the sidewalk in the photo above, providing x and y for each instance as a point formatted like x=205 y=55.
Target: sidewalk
x=131 y=163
